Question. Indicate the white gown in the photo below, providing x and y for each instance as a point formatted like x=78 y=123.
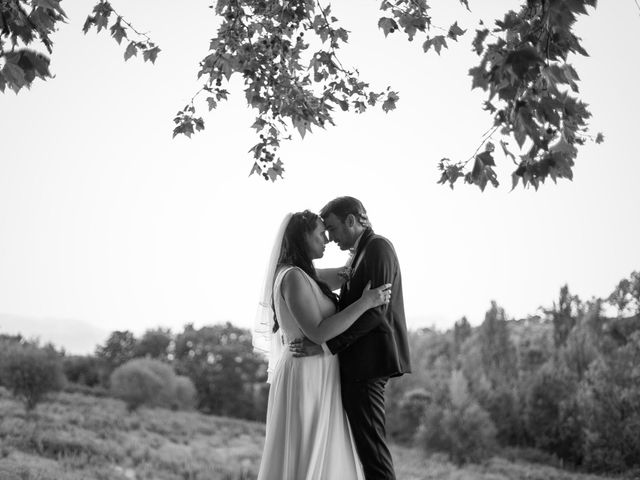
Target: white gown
x=307 y=434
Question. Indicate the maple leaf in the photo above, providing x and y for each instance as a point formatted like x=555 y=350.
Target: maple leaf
x=151 y=54
x=478 y=41
x=479 y=78
x=302 y=125
x=455 y=31
x=373 y=98
x=87 y=24
x=255 y=169
x=275 y=171
x=390 y=103
x=101 y=20
x=436 y=42
x=259 y=124
x=132 y=50
x=50 y=4
x=118 y=32
x=14 y=76
x=388 y=25
x=563 y=146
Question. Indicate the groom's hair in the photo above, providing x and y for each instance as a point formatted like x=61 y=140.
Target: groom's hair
x=342 y=207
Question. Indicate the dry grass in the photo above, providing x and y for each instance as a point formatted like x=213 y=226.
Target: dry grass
x=78 y=437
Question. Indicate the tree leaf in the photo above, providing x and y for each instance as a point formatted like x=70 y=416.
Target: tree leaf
x=118 y=32
x=455 y=31
x=388 y=25
x=390 y=103
x=478 y=41
x=436 y=42
x=131 y=51
x=87 y=23
x=101 y=21
x=50 y=4
x=150 y=54
x=256 y=169
x=14 y=76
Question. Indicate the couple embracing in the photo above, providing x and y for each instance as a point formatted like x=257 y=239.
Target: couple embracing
x=330 y=356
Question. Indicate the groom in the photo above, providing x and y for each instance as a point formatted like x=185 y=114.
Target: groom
x=375 y=347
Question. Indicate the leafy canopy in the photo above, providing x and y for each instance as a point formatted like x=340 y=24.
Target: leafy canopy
x=286 y=52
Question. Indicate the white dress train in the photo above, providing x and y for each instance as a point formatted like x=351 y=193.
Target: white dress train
x=307 y=434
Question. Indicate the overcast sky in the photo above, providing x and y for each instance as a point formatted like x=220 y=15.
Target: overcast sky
x=105 y=219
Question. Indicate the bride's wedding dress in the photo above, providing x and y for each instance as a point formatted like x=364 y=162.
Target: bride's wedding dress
x=307 y=435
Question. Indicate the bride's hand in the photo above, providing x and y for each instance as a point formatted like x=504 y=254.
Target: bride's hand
x=376 y=296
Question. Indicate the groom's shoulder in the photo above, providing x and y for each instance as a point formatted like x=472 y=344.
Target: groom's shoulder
x=379 y=244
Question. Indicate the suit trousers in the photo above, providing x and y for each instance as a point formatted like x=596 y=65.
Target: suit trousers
x=364 y=403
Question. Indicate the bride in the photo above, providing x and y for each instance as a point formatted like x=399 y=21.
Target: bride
x=307 y=433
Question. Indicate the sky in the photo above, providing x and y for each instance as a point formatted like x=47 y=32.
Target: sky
x=107 y=221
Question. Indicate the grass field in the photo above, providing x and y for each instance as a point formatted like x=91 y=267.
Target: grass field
x=76 y=437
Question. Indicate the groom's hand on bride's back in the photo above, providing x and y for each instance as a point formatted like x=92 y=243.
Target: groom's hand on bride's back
x=303 y=347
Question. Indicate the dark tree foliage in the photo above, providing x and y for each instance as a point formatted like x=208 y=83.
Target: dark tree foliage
x=84 y=370
x=551 y=412
x=461 y=331
x=154 y=343
x=119 y=348
x=229 y=377
x=610 y=404
x=30 y=372
x=287 y=54
x=564 y=315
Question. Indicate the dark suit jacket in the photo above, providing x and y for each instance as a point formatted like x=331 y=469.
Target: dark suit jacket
x=376 y=345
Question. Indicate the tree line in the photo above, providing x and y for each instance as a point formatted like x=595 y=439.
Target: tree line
x=562 y=386
x=213 y=369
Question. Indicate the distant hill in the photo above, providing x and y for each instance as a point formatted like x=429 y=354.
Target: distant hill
x=75 y=336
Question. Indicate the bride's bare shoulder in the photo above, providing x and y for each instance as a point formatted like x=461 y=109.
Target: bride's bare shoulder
x=295 y=281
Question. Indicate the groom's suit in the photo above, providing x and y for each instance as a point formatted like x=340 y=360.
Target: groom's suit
x=373 y=349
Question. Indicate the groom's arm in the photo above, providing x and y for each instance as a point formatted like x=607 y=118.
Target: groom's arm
x=380 y=266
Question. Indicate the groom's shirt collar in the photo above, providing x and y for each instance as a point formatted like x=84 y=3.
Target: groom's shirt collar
x=354 y=249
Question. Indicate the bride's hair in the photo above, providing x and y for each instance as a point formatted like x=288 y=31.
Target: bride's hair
x=294 y=252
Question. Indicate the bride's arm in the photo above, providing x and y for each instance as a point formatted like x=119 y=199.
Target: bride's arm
x=298 y=294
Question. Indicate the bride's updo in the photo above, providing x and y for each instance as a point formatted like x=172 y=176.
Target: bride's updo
x=294 y=251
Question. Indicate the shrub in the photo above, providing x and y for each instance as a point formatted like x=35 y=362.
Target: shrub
x=135 y=384
x=30 y=372
x=185 y=393
x=144 y=381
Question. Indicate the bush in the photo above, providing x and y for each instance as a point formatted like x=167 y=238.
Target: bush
x=144 y=381
x=185 y=393
x=136 y=384
x=30 y=372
